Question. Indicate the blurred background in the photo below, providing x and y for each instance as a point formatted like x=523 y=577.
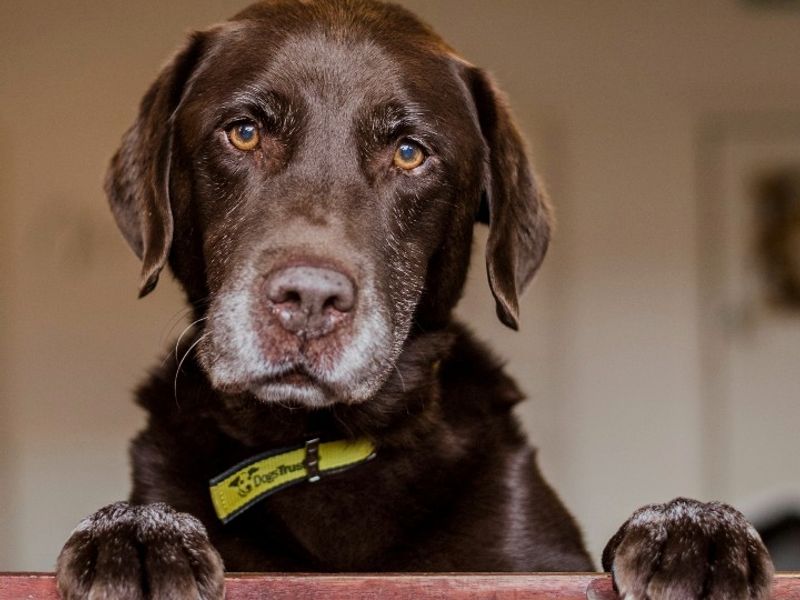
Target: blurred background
x=659 y=344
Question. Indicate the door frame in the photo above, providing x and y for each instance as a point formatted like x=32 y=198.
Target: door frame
x=715 y=133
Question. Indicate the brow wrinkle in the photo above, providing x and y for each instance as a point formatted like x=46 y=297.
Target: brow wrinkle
x=387 y=122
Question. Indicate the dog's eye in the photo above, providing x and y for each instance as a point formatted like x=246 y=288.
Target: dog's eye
x=244 y=135
x=408 y=156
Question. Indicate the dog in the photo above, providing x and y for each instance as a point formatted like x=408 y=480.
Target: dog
x=311 y=172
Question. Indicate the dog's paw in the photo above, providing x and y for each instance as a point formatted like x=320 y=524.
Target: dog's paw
x=128 y=552
x=686 y=549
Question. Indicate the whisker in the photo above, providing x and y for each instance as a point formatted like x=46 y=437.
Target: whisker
x=235 y=206
x=288 y=407
x=179 y=315
x=349 y=432
x=400 y=375
x=180 y=365
x=188 y=327
x=173 y=322
x=419 y=325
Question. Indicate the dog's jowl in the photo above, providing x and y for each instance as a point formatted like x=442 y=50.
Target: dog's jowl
x=311 y=172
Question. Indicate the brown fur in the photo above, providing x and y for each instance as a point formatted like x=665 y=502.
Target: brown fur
x=334 y=84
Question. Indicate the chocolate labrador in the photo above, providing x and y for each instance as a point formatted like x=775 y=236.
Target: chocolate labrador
x=311 y=172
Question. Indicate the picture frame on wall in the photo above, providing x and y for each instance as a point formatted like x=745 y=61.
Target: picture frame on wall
x=776 y=206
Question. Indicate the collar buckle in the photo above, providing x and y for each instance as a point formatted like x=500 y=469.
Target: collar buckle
x=311 y=461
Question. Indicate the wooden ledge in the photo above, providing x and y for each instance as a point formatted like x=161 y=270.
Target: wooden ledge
x=499 y=586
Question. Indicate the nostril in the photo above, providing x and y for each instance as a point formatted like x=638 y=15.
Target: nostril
x=343 y=298
x=338 y=303
x=279 y=293
x=291 y=297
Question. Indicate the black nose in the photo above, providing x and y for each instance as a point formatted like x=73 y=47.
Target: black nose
x=310 y=301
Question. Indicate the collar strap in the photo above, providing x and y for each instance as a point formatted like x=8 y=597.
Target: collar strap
x=252 y=480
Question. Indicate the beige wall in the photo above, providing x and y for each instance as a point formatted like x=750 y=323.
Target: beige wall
x=611 y=94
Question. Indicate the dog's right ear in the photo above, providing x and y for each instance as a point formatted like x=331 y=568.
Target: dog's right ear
x=137 y=182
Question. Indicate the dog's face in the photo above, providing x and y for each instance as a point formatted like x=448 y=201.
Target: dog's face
x=312 y=173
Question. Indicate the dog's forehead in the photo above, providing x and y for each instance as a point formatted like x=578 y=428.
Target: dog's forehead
x=321 y=64
x=321 y=67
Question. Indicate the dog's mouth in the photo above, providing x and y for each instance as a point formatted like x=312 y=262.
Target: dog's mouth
x=295 y=386
x=295 y=376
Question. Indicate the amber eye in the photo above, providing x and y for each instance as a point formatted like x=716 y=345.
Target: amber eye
x=244 y=135
x=408 y=156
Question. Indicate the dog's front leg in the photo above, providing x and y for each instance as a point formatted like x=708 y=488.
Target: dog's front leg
x=687 y=549
x=127 y=552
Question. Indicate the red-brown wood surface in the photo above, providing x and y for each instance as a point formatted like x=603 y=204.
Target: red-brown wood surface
x=522 y=586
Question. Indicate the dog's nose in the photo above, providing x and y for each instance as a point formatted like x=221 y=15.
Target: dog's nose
x=310 y=301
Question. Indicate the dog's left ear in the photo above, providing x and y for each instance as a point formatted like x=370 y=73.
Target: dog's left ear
x=513 y=204
x=137 y=182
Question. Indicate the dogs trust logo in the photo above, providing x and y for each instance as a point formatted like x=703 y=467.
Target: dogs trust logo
x=246 y=483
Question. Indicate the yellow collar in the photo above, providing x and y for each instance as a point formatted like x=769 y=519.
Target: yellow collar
x=241 y=486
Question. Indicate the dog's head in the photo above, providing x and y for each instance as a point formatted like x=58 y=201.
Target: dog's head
x=312 y=172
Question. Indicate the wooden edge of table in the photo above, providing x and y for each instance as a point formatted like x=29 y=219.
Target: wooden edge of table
x=390 y=586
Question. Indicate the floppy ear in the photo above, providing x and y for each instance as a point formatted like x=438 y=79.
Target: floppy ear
x=514 y=204
x=137 y=182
